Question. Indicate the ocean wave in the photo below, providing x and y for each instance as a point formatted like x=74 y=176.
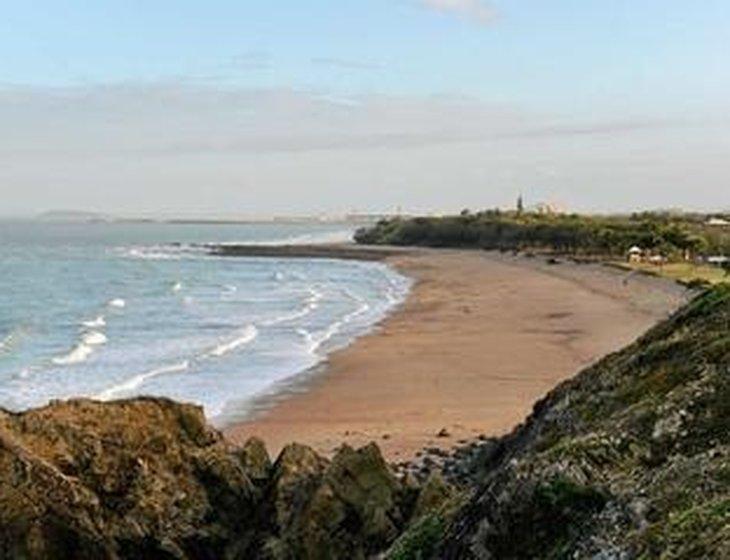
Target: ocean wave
x=80 y=353
x=11 y=340
x=314 y=296
x=136 y=381
x=176 y=287
x=248 y=335
x=310 y=305
x=118 y=303
x=339 y=236
x=83 y=349
x=163 y=252
x=94 y=338
x=96 y=323
x=315 y=340
x=289 y=317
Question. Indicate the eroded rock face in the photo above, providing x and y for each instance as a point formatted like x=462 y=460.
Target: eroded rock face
x=84 y=479
x=354 y=495
x=147 y=478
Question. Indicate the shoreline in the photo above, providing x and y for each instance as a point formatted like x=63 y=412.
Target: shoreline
x=479 y=339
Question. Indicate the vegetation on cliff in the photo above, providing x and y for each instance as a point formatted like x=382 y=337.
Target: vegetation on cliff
x=631 y=459
x=565 y=233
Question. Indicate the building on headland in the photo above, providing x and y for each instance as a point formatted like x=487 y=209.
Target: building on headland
x=542 y=208
x=546 y=209
x=635 y=254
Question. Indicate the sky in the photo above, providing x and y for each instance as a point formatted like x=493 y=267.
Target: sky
x=223 y=108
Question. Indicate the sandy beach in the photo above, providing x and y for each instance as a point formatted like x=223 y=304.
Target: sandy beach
x=481 y=337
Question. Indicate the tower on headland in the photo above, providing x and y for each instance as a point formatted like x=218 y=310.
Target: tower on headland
x=520 y=204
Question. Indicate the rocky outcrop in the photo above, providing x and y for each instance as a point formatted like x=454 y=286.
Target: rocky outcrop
x=141 y=478
x=147 y=478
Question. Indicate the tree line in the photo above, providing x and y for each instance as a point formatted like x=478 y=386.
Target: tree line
x=668 y=235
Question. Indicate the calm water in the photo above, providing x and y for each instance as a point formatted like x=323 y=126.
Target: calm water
x=111 y=311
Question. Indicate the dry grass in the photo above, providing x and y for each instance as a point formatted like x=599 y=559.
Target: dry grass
x=682 y=271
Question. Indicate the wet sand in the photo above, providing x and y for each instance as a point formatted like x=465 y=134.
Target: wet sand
x=481 y=337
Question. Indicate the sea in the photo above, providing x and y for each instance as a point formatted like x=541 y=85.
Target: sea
x=116 y=310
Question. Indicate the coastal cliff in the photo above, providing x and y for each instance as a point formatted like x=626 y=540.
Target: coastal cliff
x=630 y=459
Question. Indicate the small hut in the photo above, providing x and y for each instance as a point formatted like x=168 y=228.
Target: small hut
x=635 y=254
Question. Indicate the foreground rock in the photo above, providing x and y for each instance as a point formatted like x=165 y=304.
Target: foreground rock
x=147 y=478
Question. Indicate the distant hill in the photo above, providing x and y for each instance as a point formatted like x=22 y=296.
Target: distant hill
x=74 y=216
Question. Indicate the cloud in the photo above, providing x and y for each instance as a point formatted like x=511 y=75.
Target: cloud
x=204 y=149
x=181 y=118
x=474 y=10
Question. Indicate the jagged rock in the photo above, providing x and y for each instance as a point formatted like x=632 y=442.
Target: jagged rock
x=356 y=508
x=255 y=460
x=147 y=478
x=434 y=494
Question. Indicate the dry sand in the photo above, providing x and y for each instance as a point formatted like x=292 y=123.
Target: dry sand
x=479 y=340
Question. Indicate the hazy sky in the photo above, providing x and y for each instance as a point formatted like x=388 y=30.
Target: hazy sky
x=242 y=107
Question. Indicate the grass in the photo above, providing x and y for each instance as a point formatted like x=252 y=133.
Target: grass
x=421 y=541
x=682 y=271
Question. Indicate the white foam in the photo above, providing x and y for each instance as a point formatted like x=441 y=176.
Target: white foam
x=158 y=252
x=311 y=304
x=136 y=381
x=78 y=354
x=94 y=338
x=248 y=334
x=119 y=303
x=13 y=339
x=314 y=296
x=314 y=341
x=176 y=287
x=341 y=236
x=8 y=342
x=97 y=323
x=286 y=318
